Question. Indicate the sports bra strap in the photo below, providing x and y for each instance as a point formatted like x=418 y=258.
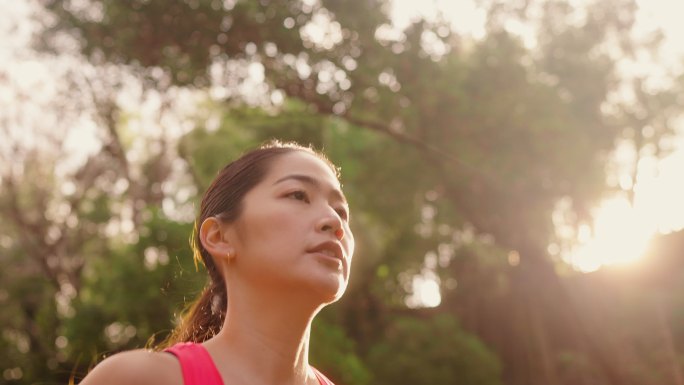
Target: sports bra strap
x=198 y=368
x=196 y=363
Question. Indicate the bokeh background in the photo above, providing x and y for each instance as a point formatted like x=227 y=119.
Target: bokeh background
x=515 y=171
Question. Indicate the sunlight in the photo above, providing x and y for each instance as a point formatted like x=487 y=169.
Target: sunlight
x=425 y=291
x=465 y=16
x=663 y=14
x=622 y=231
x=620 y=236
x=659 y=195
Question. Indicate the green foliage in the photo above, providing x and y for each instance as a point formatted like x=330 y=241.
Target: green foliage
x=432 y=351
x=333 y=352
x=459 y=157
x=129 y=298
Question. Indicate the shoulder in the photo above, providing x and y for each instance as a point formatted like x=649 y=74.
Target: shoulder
x=136 y=367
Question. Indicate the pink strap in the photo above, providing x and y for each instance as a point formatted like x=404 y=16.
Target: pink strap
x=198 y=368
x=196 y=363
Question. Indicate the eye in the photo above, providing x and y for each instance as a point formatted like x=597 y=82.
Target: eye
x=342 y=212
x=299 y=195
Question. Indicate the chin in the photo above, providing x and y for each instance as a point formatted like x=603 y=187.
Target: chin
x=330 y=290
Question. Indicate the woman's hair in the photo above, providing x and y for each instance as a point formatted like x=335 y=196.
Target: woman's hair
x=205 y=317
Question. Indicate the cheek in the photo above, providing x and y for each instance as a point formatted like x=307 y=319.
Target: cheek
x=270 y=227
x=349 y=237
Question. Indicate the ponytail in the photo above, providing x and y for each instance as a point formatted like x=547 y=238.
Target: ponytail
x=203 y=319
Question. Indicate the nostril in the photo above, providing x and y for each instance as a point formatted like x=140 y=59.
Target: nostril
x=337 y=231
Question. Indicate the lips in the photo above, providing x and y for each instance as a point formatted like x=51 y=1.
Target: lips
x=329 y=248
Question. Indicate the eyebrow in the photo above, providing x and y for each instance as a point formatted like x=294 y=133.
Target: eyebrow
x=313 y=182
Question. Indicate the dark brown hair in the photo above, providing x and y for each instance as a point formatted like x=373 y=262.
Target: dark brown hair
x=205 y=317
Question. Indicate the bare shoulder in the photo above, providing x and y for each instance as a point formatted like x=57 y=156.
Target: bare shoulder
x=136 y=367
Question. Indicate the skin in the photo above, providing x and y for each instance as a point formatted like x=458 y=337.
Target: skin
x=276 y=285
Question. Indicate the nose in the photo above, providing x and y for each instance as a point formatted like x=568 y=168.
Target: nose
x=331 y=222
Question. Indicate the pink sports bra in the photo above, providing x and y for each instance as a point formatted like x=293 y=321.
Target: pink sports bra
x=198 y=368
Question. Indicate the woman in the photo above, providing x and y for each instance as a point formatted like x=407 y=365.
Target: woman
x=273 y=233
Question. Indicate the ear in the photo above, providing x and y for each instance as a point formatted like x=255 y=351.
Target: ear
x=214 y=241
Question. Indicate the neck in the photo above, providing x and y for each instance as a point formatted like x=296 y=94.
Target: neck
x=265 y=339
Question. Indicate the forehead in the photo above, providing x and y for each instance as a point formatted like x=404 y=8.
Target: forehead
x=302 y=163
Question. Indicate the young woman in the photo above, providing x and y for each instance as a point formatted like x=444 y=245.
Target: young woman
x=273 y=233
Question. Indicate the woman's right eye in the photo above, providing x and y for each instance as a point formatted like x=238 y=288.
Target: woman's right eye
x=299 y=195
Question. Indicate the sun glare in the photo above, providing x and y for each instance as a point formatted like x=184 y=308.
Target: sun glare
x=622 y=231
x=425 y=291
x=660 y=195
x=619 y=236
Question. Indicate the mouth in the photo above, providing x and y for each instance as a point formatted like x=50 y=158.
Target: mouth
x=330 y=250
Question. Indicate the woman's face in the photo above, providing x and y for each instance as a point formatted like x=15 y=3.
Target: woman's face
x=293 y=231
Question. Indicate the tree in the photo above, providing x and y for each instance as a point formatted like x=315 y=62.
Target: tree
x=490 y=134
